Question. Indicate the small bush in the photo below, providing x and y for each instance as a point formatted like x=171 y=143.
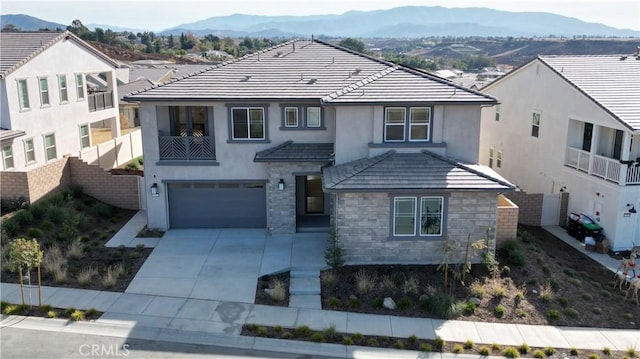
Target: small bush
x=399 y=344
x=510 y=352
x=47 y=225
x=92 y=313
x=563 y=301
x=333 y=302
x=605 y=293
x=571 y=313
x=426 y=347
x=38 y=210
x=484 y=350
x=404 y=303
x=593 y=356
x=77 y=315
x=10 y=227
x=10 y=309
x=103 y=210
x=606 y=351
x=75 y=250
x=23 y=217
x=377 y=303
x=439 y=343
x=575 y=281
x=468 y=344
x=587 y=296
x=574 y=352
x=365 y=282
x=469 y=308
x=549 y=351
x=110 y=277
x=286 y=335
x=262 y=332
x=631 y=352
x=457 y=349
x=553 y=314
x=524 y=348
x=521 y=313
x=411 y=285
x=440 y=305
x=386 y=284
x=330 y=332
x=539 y=354
x=499 y=311
x=357 y=336
x=346 y=340
x=46 y=307
x=412 y=339
x=477 y=289
x=86 y=275
x=372 y=342
x=60 y=274
x=34 y=233
x=521 y=294
x=546 y=293
x=52 y=314
x=495 y=347
x=303 y=331
x=278 y=290
x=498 y=290
x=514 y=253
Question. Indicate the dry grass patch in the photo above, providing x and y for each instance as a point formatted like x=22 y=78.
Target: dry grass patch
x=365 y=281
x=278 y=290
x=86 y=275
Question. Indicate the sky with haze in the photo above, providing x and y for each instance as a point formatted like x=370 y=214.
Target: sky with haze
x=159 y=15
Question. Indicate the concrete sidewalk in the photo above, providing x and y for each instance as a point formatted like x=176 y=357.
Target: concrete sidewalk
x=156 y=316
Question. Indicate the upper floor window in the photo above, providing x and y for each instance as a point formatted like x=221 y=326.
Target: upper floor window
x=80 y=86
x=499 y=160
x=248 y=123
x=29 y=151
x=491 y=152
x=7 y=157
x=62 y=84
x=535 y=124
x=418 y=216
x=190 y=121
x=23 y=94
x=398 y=127
x=85 y=139
x=44 y=91
x=50 y=147
x=301 y=118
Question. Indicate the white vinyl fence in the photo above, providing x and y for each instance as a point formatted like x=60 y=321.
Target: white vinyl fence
x=115 y=152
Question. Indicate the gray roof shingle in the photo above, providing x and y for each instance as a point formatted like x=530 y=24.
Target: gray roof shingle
x=17 y=48
x=297 y=152
x=311 y=70
x=609 y=80
x=411 y=171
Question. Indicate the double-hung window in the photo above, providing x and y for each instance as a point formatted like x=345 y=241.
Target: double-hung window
x=50 y=147
x=301 y=117
x=291 y=117
x=7 y=157
x=23 y=94
x=535 y=124
x=407 y=124
x=248 y=123
x=418 y=216
x=499 y=160
x=85 y=139
x=29 y=151
x=64 y=92
x=80 y=86
x=44 y=91
x=313 y=117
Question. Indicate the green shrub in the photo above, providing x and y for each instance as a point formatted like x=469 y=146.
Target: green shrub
x=47 y=225
x=574 y=352
x=52 y=314
x=553 y=314
x=593 y=356
x=468 y=344
x=34 y=233
x=38 y=210
x=10 y=227
x=378 y=303
x=56 y=214
x=46 y=307
x=606 y=351
x=357 y=336
x=457 y=349
x=412 y=339
x=404 y=303
x=399 y=344
x=286 y=335
x=539 y=354
x=440 y=305
x=330 y=332
x=372 y=342
x=439 y=343
x=23 y=217
x=499 y=311
x=484 y=350
x=571 y=313
x=563 y=301
x=469 y=308
x=514 y=252
x=354 y=302
x=303 y=331
x=92 y=313
x=103 y=210
x=521 y=313
x=631 y=352
x=510 y=352
x=132 y=166
x=346 y=340
x=77 y=315
x=426 y=347
x=587 y=296
x=10 y=309
x=334 y=302
x=549 y=351
x=523 y=348
x=262 y=332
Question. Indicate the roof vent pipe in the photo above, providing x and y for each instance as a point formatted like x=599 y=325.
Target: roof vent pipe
x=294 y=47
x=312 y=38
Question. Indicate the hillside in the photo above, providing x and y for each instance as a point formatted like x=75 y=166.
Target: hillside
x=126 y=55
x=28 y=23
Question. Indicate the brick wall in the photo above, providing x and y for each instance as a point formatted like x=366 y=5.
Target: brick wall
x=13 y=185
x=363 y=221
x=120 y=191
x=506 y=221
x=530 y=207
x=37 y=183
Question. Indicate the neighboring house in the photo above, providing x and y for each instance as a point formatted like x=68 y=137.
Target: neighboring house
x=46 y=107
x=572 y=123
x=292 y=136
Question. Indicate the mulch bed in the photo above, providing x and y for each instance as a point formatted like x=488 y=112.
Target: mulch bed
x=267 y=281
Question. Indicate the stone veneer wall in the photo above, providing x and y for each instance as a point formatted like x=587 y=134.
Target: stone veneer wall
x=363 y=221
x=281 y=205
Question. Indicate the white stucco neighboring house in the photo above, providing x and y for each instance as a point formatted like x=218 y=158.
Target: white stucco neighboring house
x=46 y=106
x=572 y=123
x=304 y=133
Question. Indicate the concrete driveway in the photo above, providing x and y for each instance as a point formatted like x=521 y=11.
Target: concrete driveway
x=223 y=264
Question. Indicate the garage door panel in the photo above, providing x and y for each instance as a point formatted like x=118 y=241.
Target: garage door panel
x=207 y=206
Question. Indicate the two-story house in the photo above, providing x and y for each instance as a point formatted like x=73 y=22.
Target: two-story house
x=307 y=131
x=572 y=124
x=46 y=106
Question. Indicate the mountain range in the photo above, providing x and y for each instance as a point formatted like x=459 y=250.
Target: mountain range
x=400 y=22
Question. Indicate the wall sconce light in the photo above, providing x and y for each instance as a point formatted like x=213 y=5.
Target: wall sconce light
x=281 y=184
x=632 y=209
x=155 y=192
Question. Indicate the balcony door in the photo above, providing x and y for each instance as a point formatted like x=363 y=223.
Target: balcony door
x=189 y=121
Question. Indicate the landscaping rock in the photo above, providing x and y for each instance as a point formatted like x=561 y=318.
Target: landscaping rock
x=269 y=291
x=475 y=301
x=389 y=303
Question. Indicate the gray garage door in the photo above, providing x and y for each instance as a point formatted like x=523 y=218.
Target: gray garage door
x=217 y=205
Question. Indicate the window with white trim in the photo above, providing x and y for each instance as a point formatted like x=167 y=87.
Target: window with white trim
x=29 y=151
x=418 y=216
x=85 y=138
x=491 y=152
x=248 y=123
x=62 y=85
x=50 y=147
x=80 y=86
x=7 y=157
x=499 y=160
x=535 y=124
x=23 y=94
x=290 y=117
x=400 y=127
x=314 y=117
x=44 y=91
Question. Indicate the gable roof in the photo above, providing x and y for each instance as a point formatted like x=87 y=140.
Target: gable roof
x=134 y=86
x=297 y=152
x=612 y=82
x=308 y=70
x=18 y=48
x=411 y=171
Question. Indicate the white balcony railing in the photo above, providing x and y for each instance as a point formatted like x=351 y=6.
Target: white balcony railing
x=100 y=101
x=606 y=168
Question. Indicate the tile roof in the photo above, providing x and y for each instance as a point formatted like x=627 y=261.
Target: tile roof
x=411 y=171
x=297 y=152
x=304 y=69
x=133 y=86
x=17 y=48
x=611 y=81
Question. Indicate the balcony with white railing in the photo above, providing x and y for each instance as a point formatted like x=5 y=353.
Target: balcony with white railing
x=187 y=148
x=609 y=169
x=99 y=101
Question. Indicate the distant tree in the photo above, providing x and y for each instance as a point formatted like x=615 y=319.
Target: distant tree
x=353 y=44
x=10 y=28
x=172 y=42
x=132 y=37
x=78 y=29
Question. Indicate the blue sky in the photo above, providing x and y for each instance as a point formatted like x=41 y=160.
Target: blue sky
x=165 y=14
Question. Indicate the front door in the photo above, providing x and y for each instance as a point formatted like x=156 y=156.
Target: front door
x=314 y=197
